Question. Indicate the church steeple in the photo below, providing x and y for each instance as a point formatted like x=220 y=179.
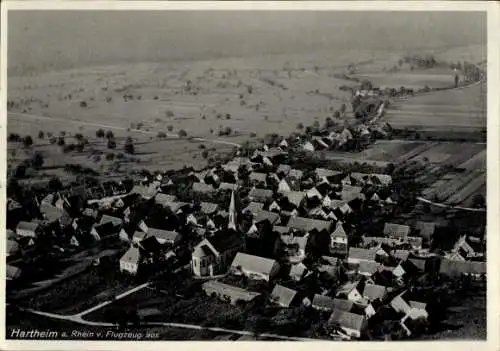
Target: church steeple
x=232 y=213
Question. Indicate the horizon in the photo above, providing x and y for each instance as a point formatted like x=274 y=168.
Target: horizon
x=100 y=38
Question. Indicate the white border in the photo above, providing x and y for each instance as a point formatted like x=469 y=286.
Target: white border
x=493 y=148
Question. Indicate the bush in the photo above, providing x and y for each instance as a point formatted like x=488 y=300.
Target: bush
x=55 y=184
x=253 y=135
x=79 y=136
x=80 y=146
x=14 y=137
x=300 y=126
x=169 y=114
x=161 y=135
x=27 y=141
x=61 y=141
x=228 y=116
x=20 y=171
x=41 y=134
x=110 y=156
x=202 y=146
x=129 y=146
x=83 y=104
x=182 y=133
x=109 y=135
x=97 y=158
x=336 y=114
x=120 y=156
x=204 y=154
x=53 y=140
x=99 y=133
x=37 y=160
x=111 y=144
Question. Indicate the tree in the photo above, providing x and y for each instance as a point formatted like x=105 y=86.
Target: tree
x=366 y=85
x=61 y=141
x=343 y=108
x=129 y=146
x=204 y=154
x=79 y=136
x=400 y=62
x=83 y=104
x=110 y=156
x=161 y=135
x=20 y=171
x=99 y=133
x=478 y=201
x=37 y=160
x=62 y=133
x=170 y=128
x=169 y=114
x=27 y=141
x=300 y=126
x=182 y=133
x=41 y=134
x=53 y=140
x=329 y=122
x=336 y=114
x=109 y=135
x=55 y=184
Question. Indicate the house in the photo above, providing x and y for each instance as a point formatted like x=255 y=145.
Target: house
x=415 y=242
x=12 y=248
x=470 y=247
x=52 y=213
x=165 y=199
x=12 y=272
x=208 y=208
x=294 y=197
x=254 y=207
x=283 y=170
x=263 y=216
x=400 y=254
x=28 y=229
x=227 y=292
x=357 y=254
x=354 y=325
x=292 y=247
x=227 y=186
x=338 y=238
x=202 y=188
x=314 y=193
x=308 y=146
x=296 y=174
x=340 y=205
x=255 y=267
x=298 y=271
x=415 y=309
x=396 y=231
x=350 y=193
x=322 y=303
x=382 y=179
x=130 y=261
x=260 y=195
x=274 y=207
x=103 y=230
x=115 y=221
x=368 y=268
x=146 y=192
x=283 y=296
x=352 y=291
x=165 y=236
x=257 y=178
x=138 y=236
x=322 y=173
x=306 y=225
x=372 y=292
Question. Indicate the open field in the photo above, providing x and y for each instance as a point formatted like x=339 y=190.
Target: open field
x=462 y=109
x=411 y=80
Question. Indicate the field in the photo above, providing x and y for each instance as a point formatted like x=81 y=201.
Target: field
x=412 y=80
x=462 y=109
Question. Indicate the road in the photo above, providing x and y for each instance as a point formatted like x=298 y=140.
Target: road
x=451 y=207
x=113 y=127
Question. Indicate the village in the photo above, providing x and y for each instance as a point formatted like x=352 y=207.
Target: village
x=285 y=240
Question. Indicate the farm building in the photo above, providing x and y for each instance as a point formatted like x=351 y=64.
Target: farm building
x=352 y=324
x=283 y=296
x=165 y=236
x=306 y=225
x=227 y=292
x=28 y=229
x=254 y=267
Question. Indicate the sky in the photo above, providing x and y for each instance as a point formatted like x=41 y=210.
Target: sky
x=48 y=40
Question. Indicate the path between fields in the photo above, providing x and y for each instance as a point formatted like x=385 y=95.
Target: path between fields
x=107 y=126
x=80 y=320
x=419 y=198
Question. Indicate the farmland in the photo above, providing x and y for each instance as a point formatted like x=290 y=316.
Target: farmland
x=412 y=80
x=462 y=109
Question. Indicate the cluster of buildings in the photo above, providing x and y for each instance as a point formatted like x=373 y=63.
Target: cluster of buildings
x=282 y=224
